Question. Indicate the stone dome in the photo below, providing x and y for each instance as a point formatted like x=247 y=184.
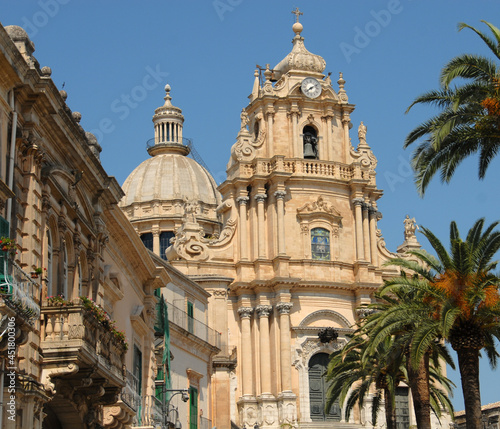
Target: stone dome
x=300 y=58
x=168 y=177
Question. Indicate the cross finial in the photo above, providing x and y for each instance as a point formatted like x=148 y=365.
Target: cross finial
x=297 y=13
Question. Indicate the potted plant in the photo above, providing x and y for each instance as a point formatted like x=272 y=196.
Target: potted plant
x=36 y=272
x=8 y=245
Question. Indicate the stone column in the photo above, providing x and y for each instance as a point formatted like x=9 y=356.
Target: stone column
x=263 y=311
x=366 y=232
x=261 y=225
x=280 y=208
x=246 y=351
x=294 y=116
x=327 y=127
x=285 y=350
x=346 y=120
x=373 y=234
x=156 y=241
x=243 y=201
x=358 y=219
x=270 y=121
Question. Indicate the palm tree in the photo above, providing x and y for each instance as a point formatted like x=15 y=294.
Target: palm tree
x=352 y=368
x=401 y=311
x=462 y=289
x=368 y=360
x=469 y=120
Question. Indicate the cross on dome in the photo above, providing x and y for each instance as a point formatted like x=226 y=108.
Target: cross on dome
x=297 y=13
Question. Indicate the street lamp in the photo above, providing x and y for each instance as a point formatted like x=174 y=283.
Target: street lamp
x=169 y=408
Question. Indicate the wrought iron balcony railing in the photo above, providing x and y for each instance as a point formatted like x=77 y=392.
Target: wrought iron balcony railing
x=19 y=291
x=193 y=326
x=129 y=393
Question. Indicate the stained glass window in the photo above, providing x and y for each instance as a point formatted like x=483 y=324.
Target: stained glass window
x=320 y=244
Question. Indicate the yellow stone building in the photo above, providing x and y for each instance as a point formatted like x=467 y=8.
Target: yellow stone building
x=100 y=361
x=289 y=248
x=254 y=271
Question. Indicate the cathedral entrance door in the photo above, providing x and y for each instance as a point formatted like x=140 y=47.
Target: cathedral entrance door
x=317 y=390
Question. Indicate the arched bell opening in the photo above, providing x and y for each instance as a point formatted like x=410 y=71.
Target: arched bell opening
x=310 y=142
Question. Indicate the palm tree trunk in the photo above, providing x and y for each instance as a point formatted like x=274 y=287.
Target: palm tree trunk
x=420 y=392
x=390 y=410
x=468 y=363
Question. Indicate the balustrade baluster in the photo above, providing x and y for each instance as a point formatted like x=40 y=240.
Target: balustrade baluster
x=65 y=327
x=48 y=330
x=57 y=327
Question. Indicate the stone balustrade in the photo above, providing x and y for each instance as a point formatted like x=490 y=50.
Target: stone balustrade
x=304 y=167
x=72 y=332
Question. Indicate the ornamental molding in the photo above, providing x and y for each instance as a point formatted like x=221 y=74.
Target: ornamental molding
x=329 y=315
x=305 y=350
x=319 y=208
x=246 y=145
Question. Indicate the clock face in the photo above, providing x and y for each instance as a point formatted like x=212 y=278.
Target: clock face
x=311 y=87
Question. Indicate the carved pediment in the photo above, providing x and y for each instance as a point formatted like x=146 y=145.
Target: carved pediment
x=319 y=208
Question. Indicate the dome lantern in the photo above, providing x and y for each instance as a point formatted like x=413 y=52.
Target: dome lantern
x=168 y=121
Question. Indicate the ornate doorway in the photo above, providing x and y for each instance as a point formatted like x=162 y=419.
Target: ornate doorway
x=317 y=390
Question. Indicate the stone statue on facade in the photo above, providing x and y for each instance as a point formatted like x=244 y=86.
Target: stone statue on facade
x=410 y=228
x=362 y=132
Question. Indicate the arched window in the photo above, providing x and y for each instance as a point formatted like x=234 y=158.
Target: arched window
x=147 y=239
x=50 y=259
x=165 y=237
x=310 y=139
x=320 y=244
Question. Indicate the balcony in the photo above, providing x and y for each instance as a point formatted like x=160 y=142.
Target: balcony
x=129 y=393
x=71 y=335
x=331 y=170
x=19 y=298
x=193 y=326
x=152 y=412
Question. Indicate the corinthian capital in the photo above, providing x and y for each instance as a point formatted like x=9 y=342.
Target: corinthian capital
x=284 y=307
x=242 y=201
x=358 y=201
x=260 y=197
x=245 y=312
x=264 y=310
x=279 y=195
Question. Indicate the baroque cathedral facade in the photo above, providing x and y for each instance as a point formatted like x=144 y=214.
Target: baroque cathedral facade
x=228 y=319
x=287 y=246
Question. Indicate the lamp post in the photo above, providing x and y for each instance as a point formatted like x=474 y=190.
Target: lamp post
x=166 y=413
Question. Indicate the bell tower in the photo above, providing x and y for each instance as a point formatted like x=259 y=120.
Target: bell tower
x=306 y=249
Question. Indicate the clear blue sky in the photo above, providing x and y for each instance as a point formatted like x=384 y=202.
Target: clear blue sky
x=115 y=57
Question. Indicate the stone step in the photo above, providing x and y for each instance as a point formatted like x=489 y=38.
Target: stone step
x=330 y=425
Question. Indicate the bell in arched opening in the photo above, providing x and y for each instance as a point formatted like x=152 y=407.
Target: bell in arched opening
x=310 y=139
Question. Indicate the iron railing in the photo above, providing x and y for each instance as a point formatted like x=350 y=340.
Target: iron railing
x=20 y=291
x=193 y=326
x=130 y=393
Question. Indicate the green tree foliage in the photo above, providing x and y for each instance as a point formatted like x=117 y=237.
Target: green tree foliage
x=469 y=120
